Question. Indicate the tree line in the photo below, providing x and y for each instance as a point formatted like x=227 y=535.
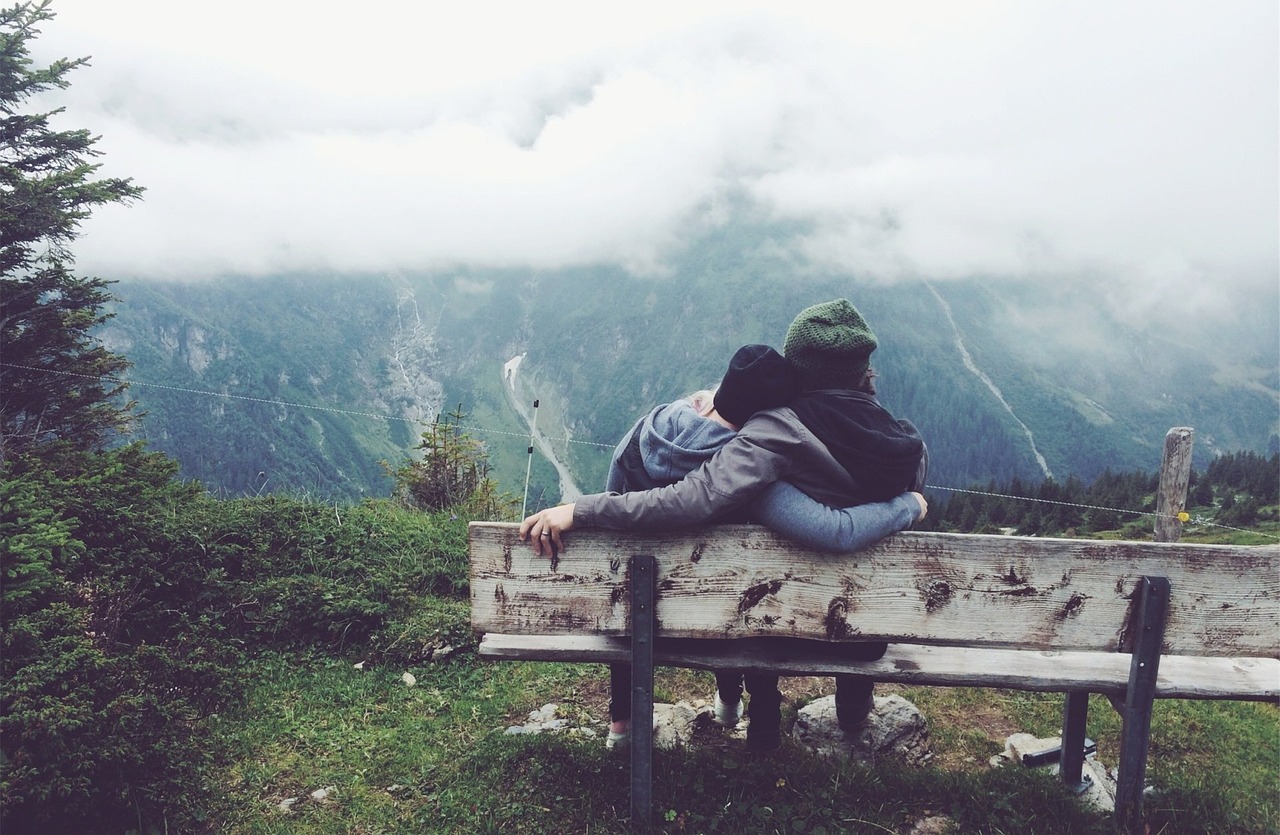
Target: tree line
x=1237 y=489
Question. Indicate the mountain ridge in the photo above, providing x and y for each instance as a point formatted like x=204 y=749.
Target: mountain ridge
x=601 y=347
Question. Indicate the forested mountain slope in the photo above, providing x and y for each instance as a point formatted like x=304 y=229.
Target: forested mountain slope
x=1003 y=379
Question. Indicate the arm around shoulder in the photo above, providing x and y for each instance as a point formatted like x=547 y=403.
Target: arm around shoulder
x=785 y=509
x=736 y=474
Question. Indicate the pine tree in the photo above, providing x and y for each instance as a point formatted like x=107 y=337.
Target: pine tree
x=54 y=376
x=1201 y=492
x=452 y=472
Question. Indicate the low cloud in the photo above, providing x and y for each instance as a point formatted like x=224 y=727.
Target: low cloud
x=1136 y=141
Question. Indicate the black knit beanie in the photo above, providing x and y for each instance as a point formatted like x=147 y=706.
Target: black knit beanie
x=758 y=378
x=830 y=345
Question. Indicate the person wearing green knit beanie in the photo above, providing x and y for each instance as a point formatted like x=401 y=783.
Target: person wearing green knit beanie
x=830 y=344
x=833 y=441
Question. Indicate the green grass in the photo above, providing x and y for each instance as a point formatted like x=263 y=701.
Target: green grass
x=433 y=758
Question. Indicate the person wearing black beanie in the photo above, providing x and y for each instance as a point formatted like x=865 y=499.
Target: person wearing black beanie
x=758 y=378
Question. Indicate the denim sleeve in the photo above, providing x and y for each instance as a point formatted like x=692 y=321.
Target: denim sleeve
x=790 y=512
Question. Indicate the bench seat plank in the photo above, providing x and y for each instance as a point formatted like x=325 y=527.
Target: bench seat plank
x=735 y=581
x=1255 y=679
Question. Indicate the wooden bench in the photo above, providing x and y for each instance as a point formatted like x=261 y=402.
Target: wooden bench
x=1136 y=621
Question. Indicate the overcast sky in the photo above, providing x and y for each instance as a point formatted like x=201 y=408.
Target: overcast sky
x=1131 y=140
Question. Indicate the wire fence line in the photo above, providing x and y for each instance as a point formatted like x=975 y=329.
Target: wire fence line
x=286 y=403
x=1182 y=517
x=1054 y=502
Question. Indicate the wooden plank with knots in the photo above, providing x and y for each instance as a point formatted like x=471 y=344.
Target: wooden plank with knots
x=736 y=581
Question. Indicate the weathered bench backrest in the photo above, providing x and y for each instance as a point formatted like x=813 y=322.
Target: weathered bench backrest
x=946 y=589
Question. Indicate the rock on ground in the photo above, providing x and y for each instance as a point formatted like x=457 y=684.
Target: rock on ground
x=933 y=825
x=673 y=725
x=895 y=726
x=547 y=719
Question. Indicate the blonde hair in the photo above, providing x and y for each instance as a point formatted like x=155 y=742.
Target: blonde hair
x=703 y=401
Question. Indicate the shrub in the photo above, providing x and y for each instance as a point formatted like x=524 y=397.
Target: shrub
x=103 y=738
x=131 y=600
x=452 y=473
x=298 y=575
x=109 y=666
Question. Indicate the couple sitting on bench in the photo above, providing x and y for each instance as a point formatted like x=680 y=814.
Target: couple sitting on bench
x=796 y=442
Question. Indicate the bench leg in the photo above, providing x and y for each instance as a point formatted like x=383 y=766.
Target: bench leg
x=643 y=573
x=1135 y=733
x=1075 y=712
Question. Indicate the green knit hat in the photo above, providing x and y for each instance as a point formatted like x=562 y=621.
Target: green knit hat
x=830 y=344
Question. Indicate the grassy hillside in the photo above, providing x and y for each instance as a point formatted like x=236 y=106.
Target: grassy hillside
x=175 y=662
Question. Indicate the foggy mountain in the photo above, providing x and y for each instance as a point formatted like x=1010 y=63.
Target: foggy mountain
x=302 y=383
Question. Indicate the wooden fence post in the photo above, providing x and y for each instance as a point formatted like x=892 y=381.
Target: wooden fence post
x=1175 y=474
x=1152 y=599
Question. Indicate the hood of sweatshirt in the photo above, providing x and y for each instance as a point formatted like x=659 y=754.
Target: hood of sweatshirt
x=663 y=447
x=675 y=440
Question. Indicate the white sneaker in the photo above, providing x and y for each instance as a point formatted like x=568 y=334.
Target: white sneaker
x=726 y=716
x=618 y=739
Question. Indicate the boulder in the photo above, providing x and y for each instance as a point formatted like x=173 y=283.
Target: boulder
x=894 y=727
x=673 y=724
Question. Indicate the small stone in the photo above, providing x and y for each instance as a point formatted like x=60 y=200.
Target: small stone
x=408 y=679
x=672 y=724
x=321 y=795
x=932 y=825
x=1019 y=744
x=287 y=804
